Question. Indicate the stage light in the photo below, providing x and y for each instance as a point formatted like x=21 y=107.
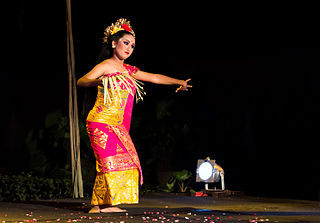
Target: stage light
x=205 y=171
x=209 y=172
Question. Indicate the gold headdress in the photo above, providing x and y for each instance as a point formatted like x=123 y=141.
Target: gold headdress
x=121 y=24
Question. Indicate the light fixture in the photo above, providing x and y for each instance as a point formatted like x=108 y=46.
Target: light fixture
x=209 y=172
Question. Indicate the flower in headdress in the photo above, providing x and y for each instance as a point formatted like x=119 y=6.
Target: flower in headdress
x=126 y=27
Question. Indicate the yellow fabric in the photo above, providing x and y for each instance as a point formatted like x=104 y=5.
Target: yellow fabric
x=111 y=114
x=116 y=187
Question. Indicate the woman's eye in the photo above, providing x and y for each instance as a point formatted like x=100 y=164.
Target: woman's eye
x=126 y=43
x=133 y=46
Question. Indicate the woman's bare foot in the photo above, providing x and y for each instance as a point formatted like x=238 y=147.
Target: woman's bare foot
x=111 y=209
x=95 y=209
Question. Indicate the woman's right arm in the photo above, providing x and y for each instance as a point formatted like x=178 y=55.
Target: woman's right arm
x=93 y=78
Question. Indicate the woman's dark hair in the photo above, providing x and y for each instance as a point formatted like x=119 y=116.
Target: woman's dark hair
x=107 y=50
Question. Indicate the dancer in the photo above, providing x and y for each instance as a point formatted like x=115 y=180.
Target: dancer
x=108 y=123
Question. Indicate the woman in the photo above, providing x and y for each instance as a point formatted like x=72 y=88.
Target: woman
x=108 y=123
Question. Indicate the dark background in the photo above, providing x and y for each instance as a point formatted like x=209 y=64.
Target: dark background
x=254 y=106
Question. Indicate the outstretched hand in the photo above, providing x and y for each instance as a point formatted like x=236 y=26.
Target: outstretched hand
x=184 y=86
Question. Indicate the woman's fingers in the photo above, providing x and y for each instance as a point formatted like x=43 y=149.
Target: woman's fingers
x=184 y=87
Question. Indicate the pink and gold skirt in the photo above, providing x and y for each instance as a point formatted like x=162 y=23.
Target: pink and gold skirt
x=118 y=166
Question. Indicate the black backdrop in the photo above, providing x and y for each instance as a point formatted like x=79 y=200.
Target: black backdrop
x=254 y=106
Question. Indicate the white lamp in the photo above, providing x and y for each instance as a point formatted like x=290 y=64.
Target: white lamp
x=209 y=172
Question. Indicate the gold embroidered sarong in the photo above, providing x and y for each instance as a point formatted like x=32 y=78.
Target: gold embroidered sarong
x=117 y=187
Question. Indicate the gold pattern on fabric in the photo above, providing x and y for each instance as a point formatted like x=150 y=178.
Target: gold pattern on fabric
x=119 y=149
x=111 y=114
x=117 y=187
x=114 y=163
x=125 y=138
x=100 y=138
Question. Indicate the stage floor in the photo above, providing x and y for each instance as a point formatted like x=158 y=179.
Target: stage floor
x=162 y=207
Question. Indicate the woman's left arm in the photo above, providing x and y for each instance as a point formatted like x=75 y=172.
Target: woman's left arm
x=162 y=79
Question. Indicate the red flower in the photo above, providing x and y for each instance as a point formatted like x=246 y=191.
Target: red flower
x=126 y=27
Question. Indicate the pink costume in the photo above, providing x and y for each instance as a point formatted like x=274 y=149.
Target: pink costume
x=108 y=125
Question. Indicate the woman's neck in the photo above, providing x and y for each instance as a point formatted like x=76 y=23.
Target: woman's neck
x=117 y=61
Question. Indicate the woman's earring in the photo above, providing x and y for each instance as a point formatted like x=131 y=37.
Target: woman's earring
x=113 y=46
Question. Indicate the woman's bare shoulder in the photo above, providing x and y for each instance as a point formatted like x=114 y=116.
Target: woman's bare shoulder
x=108 y=67
x=99 y=70
x=105 y=66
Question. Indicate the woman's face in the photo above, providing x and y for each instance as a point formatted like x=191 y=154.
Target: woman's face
x=124 y=47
